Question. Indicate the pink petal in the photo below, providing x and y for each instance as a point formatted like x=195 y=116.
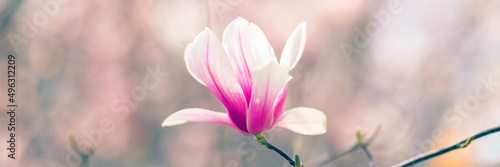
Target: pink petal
x=207 y=62
x=268 y=81
x=294 y=47
x=198 y=115
x=247 y=48
x=303 y=120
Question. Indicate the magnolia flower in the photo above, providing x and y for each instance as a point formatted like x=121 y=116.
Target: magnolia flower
x=244 y=74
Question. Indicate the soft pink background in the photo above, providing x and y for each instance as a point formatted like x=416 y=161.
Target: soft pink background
x=87 y=58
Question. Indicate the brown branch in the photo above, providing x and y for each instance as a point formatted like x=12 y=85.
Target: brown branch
x=434 y=153
x=262 y=140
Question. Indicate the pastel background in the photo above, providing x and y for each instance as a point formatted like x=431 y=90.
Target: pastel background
x=427 y=72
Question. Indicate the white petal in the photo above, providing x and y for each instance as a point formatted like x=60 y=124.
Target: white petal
x=196 y=115
x=294 y=47
x=247 y=47
x=207 y=62
x=303 y=120
x=268 y=81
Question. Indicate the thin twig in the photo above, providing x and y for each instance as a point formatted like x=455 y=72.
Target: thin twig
x=363 y=146
x=85 y=156
x=434 y=153
x=262 y=140
x=372 y=163
x=353 y=148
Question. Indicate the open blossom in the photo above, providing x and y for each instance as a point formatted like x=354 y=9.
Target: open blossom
x=244 y=74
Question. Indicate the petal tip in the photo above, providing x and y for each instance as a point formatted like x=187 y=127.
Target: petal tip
x=303 y=24
x=239 y=18
x=169 y=122
x=303 y=27
x=237 y=21
x=324 y=125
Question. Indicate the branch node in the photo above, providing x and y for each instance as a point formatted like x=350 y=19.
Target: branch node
x=467 y=142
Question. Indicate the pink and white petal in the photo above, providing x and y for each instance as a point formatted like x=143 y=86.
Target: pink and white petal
x=279 y=104
x=268 y=81
x=247 y=47
x=207 y=62
x=303 y=120
x=198 y=115
x=294 y=47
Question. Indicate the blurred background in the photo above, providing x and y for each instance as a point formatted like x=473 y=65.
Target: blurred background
x=109 y=72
